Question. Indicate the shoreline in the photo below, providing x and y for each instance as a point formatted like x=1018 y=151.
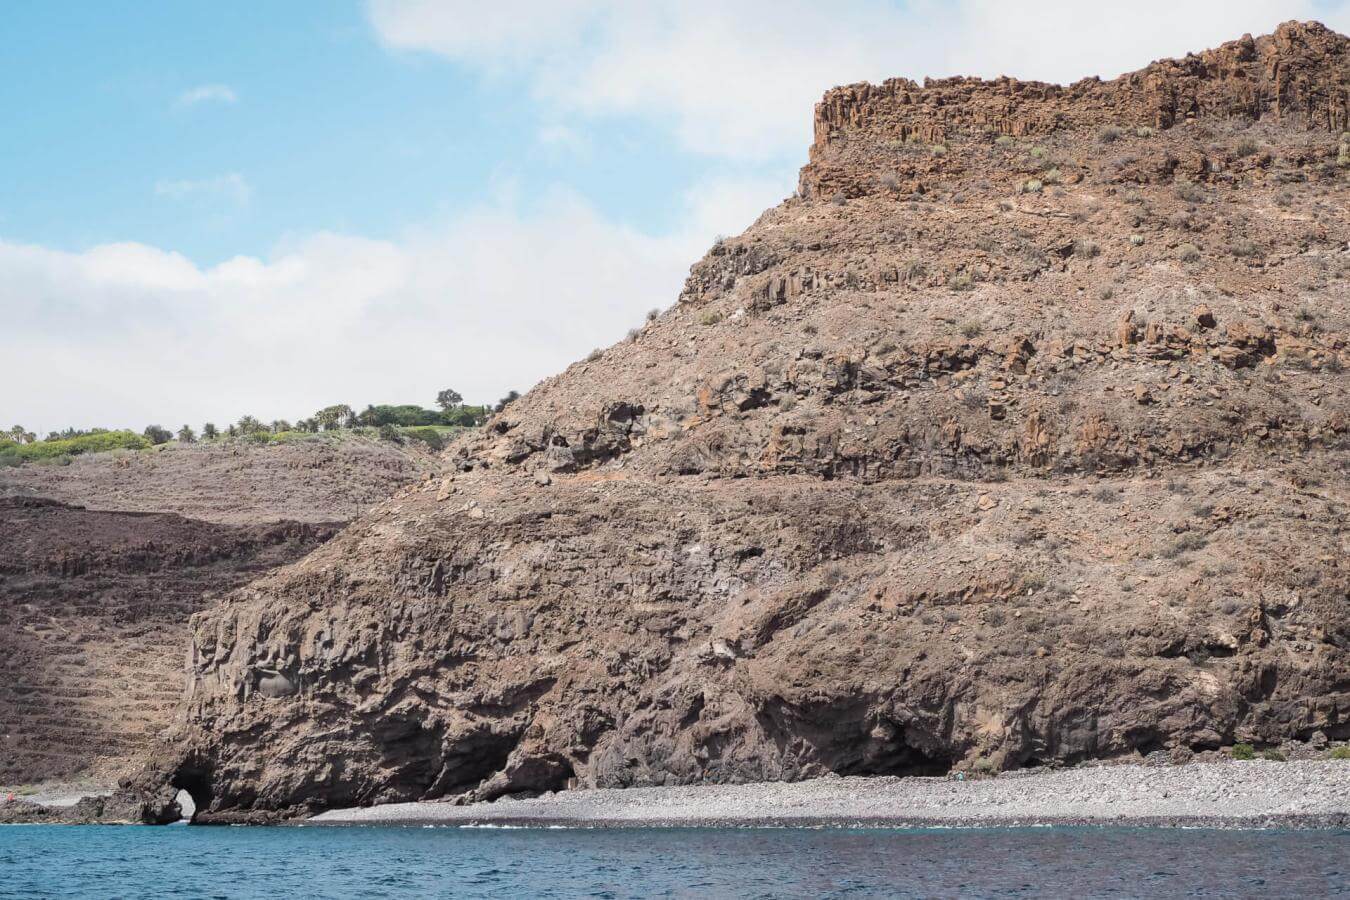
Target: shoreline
x=1248 y=795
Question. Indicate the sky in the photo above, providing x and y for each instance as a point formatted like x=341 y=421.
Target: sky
x=209 y=210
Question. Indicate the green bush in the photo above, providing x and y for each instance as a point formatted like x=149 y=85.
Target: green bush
x=156 y=434
x=406 y=414
x=1243 y=751
x=1340 y=752
x=87 y=443
x=430 y=435
x=410 y=415
x=1273 y=755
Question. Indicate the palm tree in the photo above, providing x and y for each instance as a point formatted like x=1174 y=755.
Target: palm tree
x=250 y=425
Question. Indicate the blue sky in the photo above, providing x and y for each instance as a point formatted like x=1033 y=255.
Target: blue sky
x=302 y=122
x=215 y=209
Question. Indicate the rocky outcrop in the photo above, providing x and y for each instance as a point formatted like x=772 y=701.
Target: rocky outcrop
x=1025 y=450
x=124 y=807
x=93 y=615
x=104 y=559
x=1296 y=78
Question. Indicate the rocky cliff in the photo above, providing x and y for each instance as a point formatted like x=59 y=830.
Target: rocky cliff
x=1018 y=436
x=103 y=561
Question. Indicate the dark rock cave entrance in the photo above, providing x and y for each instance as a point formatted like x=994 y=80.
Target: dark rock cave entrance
x=490 y=773
x=901 y=761
x=196 y=785
x=848 y=741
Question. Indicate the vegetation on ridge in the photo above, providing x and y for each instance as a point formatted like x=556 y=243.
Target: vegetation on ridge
x=394 y=423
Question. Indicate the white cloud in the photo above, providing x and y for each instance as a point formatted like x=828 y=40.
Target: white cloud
x=495 y=299
x=231 y=186
x=207 y=93
x=1055 y=40
x=501 y=295
x=740 y=79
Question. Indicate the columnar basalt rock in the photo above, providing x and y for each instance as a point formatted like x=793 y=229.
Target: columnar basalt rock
x=1027 y=449
x=1296 y=78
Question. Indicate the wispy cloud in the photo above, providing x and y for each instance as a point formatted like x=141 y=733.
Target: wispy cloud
x=524 y=290
x=230 y=186
x=206 y=93
x=738 y=80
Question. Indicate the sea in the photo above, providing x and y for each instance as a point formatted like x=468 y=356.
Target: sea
x=742 y=863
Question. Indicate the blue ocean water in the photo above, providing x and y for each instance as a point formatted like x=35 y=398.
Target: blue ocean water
x=56 y=861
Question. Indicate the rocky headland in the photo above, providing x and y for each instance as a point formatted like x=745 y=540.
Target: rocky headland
x=1018 y=436
x=103 y=561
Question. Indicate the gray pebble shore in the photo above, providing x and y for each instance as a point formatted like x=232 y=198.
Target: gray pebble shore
x=1251 y=794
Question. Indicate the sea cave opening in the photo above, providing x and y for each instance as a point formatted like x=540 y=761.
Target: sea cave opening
x=194 y=792
x=187 y=807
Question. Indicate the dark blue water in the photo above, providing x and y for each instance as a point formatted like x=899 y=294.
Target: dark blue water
x=54 y=861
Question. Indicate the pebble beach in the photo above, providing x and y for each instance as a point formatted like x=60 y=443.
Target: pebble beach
x=1252 y=794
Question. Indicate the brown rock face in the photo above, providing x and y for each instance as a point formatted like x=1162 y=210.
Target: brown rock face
x=1024 y=449
x=1296 y=78
x=93 y=607
x=100 y=572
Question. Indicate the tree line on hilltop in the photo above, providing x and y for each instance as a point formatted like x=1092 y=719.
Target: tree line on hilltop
x=391 y=422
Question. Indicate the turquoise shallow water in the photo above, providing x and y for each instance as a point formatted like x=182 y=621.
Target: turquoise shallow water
x=54 y=861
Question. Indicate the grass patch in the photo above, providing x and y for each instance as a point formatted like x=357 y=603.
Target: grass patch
x=434 y=436
x=1243 y=751
x=39 y=451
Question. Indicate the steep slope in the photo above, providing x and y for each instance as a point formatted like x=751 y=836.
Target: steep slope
x=103 y=561
x=1019 y=435
x=93 y=612
x=321 y=478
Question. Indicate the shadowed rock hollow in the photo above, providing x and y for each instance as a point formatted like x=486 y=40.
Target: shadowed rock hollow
x=1017 y=436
